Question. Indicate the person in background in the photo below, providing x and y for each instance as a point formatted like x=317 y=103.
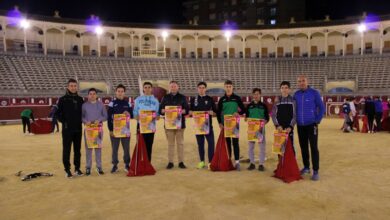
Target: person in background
x=54 y=121
x=378 y=114
x=26 y=115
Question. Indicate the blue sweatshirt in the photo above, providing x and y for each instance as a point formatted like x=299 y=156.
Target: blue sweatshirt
x=91 y=112
x=117 y=106
x=310 y=108
x=378 y=106
x=146 y=102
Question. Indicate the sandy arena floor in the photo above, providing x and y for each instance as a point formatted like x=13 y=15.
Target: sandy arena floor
x=354 y=168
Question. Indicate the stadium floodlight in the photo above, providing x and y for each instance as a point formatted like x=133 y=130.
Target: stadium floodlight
x=228 y=34
x=98 y=30
x=24 y=23
x=362 y=28
x=164 y=35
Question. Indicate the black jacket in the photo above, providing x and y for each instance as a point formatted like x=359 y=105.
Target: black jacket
x=203 y=103
x=69 y=112
x=175 y=100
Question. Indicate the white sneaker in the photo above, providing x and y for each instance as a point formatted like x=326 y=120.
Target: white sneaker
x=30 y=134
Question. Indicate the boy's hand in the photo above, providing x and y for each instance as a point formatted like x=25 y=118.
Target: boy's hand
x=136 y=117
x=97 y=122
x=288 y=130
x=221 y=126
x=88 y=123
x=279 y=128
x=211 y=112
x=236 y=114
x=163 y=111
x=111 y=134
x=183 y=111
x=126 y=113
x=246 y=119
x=158 y=118
x=190 y=113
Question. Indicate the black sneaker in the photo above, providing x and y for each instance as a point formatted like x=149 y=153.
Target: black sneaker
x=261 y=168
x=88 y=171
x=114 y=169
x=99 y=171
x=170 y=166
x=68 y=174
x=251 y=167
x=182 y=166
x=78 y=172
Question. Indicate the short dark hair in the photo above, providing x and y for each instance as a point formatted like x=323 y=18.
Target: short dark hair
x=92 y=90
x=285 y=83
x=120 y=86
x=173 y=81
x=256 y=90
x=148 y=83
x=71 y=80
x=202 y=83
x=228 y=82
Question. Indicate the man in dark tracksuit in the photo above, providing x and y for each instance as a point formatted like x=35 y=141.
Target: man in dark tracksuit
x=203 y=102
x=230 y=104
x=119 y=106
x=310 y=110
x=284 y=111
x=174 y=98
x=69 y=114
x=369 y=110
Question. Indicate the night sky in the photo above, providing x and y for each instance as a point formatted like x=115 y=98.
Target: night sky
x=170 y=11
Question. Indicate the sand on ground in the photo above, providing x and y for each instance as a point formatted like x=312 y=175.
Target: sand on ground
x=354 y=168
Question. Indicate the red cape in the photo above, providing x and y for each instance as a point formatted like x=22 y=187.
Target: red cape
x=287 y=169
x=221 y=160
x=140 y=165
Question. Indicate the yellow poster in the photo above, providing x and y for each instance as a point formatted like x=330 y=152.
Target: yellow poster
x=255 y=129
x=147 y=121
x=201 y=122
x=94 y=135
x=173 y=117
x=232 y=126
x=280 y=138
x=121 y=125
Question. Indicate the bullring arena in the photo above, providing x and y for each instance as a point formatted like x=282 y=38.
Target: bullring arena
x=37 y=59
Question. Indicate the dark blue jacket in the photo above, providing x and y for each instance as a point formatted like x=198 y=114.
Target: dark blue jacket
x=310 y=108
x=378 y=106
x=117 y=107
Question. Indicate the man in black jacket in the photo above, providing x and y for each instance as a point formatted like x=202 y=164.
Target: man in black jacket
x=174 y=98
x=203 y=102
x=69 y=114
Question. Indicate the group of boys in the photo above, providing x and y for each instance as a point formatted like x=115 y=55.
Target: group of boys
x=305 y=108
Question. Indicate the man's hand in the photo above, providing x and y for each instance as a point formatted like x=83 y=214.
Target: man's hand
x=211 y=113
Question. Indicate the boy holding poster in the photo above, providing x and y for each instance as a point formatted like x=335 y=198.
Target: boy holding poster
x=230 y=104
x=284 y=111
x=257 y=112
x=93 y=114
x=146 y=112
x=202 y=108
x=120 y=112
x=174 y=107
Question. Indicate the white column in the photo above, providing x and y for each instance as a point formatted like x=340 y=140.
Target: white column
x=227 y=49
x=309 y=45
x=156 y=37
x=362 y=43
x=116 y=45
x=81 y=45
x=25 y=40
x=326 y=44
x=45 y=42
x=276 y=47
x=180 y=55
x=344 y=45
x=63 y=43
x=292 y=47
x=131 y=44
x=212 y=47
x=260 y=45
x=4 y=39
x=381 y=41
x=98 y=44
x=243 y=46
x=196 y=47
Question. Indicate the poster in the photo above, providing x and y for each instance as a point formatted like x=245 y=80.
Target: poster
x=94 y=135
x=201 y=122
x=173 y=117
x=147 y=121
x=232 y=126
x=255 y=129
x=121 y=125
x=280 y=138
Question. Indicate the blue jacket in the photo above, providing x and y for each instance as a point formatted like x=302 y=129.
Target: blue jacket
x=146 y=103
x=310 y=108
x=117 y=107
x=378 y=106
